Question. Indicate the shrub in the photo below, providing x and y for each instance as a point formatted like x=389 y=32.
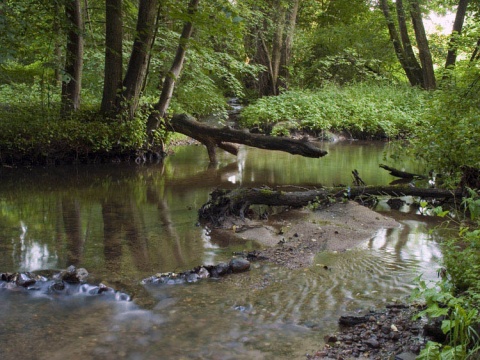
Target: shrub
x=363 y=110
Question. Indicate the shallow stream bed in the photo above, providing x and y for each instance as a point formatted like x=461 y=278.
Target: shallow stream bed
x=126 y=222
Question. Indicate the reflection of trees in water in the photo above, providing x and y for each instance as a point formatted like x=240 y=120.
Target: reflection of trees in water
x=154 y=197
x=123 y=223
x=73 y=230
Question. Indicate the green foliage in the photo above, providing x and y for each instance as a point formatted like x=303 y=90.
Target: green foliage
x=30 y=135
x=371 y=110
x=448 y=138
x=456 y=299
x=340 y=41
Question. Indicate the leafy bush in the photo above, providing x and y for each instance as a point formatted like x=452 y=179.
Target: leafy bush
x=449 y=137
x=369 y=110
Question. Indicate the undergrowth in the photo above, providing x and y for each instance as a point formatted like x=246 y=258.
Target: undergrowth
x=363 y=110
x=455 y=300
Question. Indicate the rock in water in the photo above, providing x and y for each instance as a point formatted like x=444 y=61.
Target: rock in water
x=239 y=265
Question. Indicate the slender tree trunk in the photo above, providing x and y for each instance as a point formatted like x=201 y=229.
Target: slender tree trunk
x=457 y=30
x=423 y=47
x=287 y=49
x=137 y=66
x=58 y=46
x=398 y=47
x=161 y=107
x=475 y=53
x=411 y=62
x=72 y=79
x=277 y=46
x=112 y=84
x=155 y=33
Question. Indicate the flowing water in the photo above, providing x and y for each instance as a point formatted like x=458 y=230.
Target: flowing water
x=126 y=222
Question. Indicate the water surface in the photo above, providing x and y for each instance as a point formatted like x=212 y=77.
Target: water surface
x=125 y=222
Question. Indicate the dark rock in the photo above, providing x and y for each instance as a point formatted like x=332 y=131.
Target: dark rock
x=24 y=280
x=219 y=270
x=72 y=275
x=330 y=339
x=239 y=265
x=352 y=320
x=395 y=336
x=57 y=285
x=373 y=343
x=386 y=329
x=395 y=203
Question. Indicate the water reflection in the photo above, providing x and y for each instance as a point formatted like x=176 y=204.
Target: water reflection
x=125 y=222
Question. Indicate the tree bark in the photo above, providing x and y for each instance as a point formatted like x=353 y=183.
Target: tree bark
x=475 y=53
x=277 y=46
x=411 y=62
x=161 y=107
x=287 y=49
x=139 y=58
x=112 y=85
x=72 y=79
x=429 y=82
x=224 y=137
x=412 y=75
x=457 y=30
x=236 y=202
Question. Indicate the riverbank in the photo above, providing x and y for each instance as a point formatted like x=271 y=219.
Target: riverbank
x=293 y=238
x=378 y=335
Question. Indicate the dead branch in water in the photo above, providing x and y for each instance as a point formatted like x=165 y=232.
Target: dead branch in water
x=224 y=203
x=225 y=138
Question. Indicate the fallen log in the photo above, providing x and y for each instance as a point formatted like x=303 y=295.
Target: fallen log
x=402 y=174
x=225 y=138
x=224 y=203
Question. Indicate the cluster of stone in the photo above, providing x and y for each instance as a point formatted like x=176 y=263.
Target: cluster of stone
x=68 y=282
x=379 y=335
x=236 y=265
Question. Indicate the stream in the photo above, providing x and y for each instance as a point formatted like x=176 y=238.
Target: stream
x=125 y=222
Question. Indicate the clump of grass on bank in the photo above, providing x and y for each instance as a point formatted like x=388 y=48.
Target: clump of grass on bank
x=362 y=110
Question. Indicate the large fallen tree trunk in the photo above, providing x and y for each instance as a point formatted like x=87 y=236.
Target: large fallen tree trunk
x=225 y=138
x=224 y=203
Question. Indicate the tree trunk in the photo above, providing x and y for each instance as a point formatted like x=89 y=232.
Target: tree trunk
x=277 y=46
x=402 y=57
x=161 y=107
x=475 y=53
x=457 y=30
x=72 y=79
x=57 y=30
x=423 y=48
x=139 y=58
x=112 y=85
x=287 y=49
x=411 y=63
x=224 y=137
